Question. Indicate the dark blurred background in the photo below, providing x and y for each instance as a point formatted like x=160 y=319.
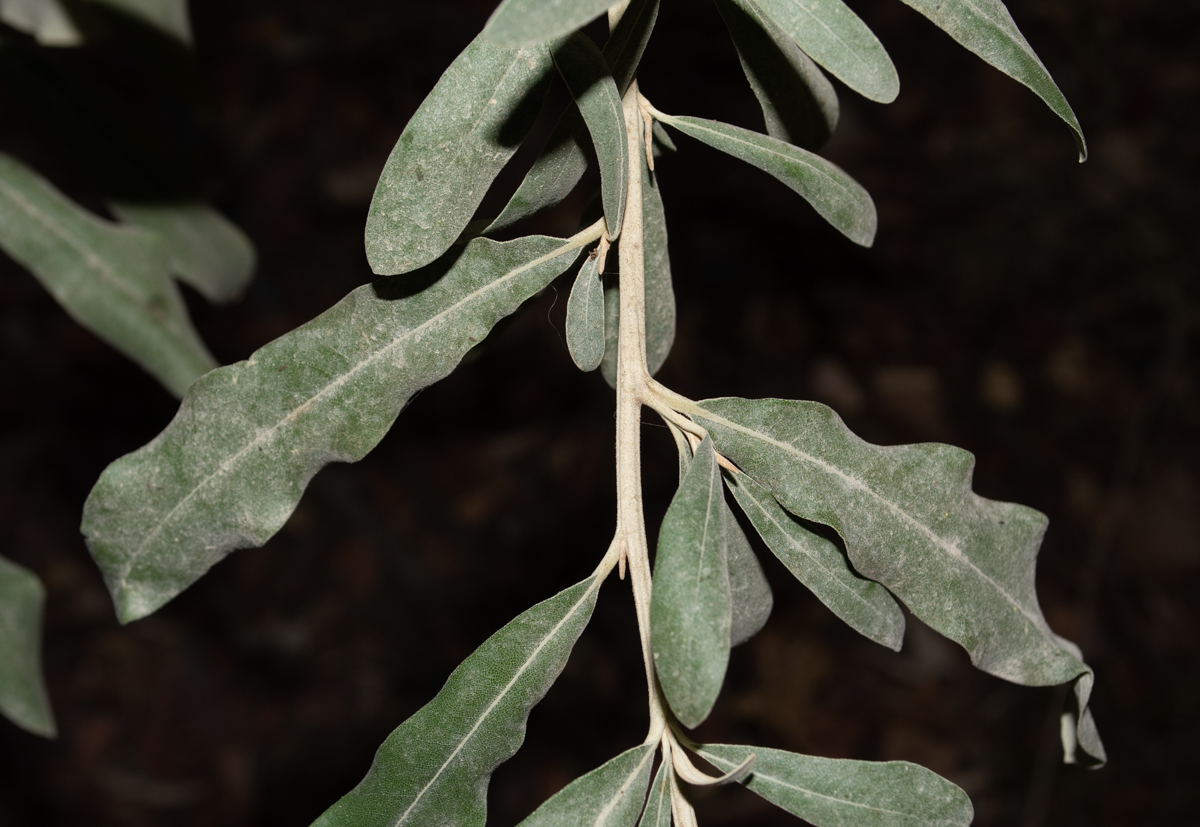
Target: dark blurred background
x=1039 y=313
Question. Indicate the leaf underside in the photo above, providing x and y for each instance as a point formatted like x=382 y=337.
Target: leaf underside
x=828 y=792
x=452 y=149
x=658 y=804
x=524 y=22
x=231 y=466
x=609 y=796
x=435 y=767
x=113 y=280
x=23 y=698
x=585 y=317
x=690 y=600
x=961 y=563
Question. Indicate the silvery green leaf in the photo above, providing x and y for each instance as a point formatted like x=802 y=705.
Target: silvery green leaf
x=585 y=317
x=205 y=249
x=662 y=140
x=750 y=595
x=830 y=792
x=798 y=102
x=608 y=796
x=525 y=22
x=46 y=20
x=435 y=767
x=986 y=28
x=23 y=698
x=660 y=292
x=658 y=804
x=837 y=197
x=170 y=16
x=820 y=565
x=564 y=158
x=113 y=280
x=961 y=563
x=836 y=38
x=595 y=93
x=690 y=600
x=231 y=466
x=612 y=320
x=457 y=142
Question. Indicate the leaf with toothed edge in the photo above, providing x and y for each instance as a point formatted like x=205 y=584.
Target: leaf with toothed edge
x=231 y=466
x=609 y=796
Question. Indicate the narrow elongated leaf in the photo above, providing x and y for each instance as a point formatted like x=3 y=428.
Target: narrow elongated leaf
x=205 y=249
x=23 y=698
x=460 y=138
x=435 y=767
x=750 y=597
x=658 y=804
x=585 y=317
x=595 y=93
x=828 y=792
x=660 y=290
x=836 y=38
x=608 y=796
x=564 y=158
x=170 y=16
x=230 y=467
x=662 y=140
x=986 y=28
x=525 y=22
x=798 y=102
x=690 y=601
x=961 y=563
x=46 y=20
x=112 y=280
x=820 y=565
x=837 y=197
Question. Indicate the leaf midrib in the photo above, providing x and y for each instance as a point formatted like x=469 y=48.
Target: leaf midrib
x=615 y=799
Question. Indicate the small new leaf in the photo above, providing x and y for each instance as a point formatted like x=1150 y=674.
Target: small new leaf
x=986 y=28
x=828 y=792
x=585 y=317
x=798 y=102
x=460 y=138
x=205 y=249
x=23 y=698
x=231 y=466
x=837 y=197
x=113 y=280
x=595 y=93
x=820 y=565
x=690 y=599
x=836 y=38
x=608 y=796
x=435 y=767
x=525 y=22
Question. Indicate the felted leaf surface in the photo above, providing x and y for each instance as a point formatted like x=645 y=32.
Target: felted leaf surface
x=750 y=595
x=658 y=805
x=798 y=102
x=564 y=158
x=962 y=563
x=660 y=290
x=23 y=698
x=608 y=796
x=837 y=197
x=820 y=565
x=585 y=317
x=205 y=249
x=595 y=93
x=46 y=20
x=112 y=280
x=452 y=149
x=828 y=792
x=525 y=22
x=170 y=16
x=231 y=466
x=836 y=38
x=435 y=767
x=986 y=28
x=690 y=600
